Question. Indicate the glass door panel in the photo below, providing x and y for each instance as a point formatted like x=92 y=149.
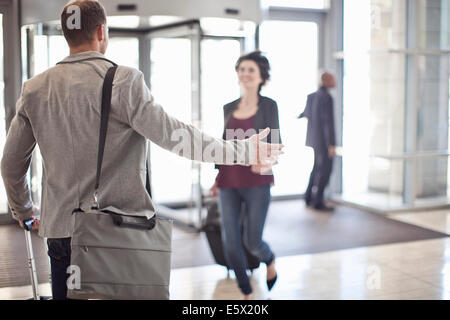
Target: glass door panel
x=171 y=87
x=57 y=49
x=219 y=86
x=49 y=50
x=124 y=51
x=294 y=75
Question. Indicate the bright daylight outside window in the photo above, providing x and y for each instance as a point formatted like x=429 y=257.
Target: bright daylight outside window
x=171 y=73
x=389 y=115
x=294 y=75
x=3 y=200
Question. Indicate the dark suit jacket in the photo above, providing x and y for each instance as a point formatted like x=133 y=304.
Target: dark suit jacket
x=266 y=116
x=319 y=112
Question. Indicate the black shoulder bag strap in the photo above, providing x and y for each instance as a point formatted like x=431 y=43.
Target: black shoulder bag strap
x=135 y=222
x=106 y=107
x=87 y=59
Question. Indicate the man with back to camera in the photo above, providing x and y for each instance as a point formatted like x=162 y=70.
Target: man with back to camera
x=59 y=110
x=320 y=136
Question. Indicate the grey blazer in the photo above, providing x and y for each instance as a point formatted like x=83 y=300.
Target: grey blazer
x=59 y=110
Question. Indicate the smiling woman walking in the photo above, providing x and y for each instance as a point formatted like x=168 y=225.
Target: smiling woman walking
x=237 y=185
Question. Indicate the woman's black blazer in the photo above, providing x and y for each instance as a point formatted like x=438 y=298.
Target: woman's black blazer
x=266 y=116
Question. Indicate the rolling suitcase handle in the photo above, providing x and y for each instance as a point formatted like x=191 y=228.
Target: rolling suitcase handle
x=31 y=262
x=27 y=225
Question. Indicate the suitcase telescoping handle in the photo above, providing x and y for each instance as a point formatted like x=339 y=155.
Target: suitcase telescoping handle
x=28 y=224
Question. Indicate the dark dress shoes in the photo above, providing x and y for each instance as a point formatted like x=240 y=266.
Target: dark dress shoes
x=323 y=207
x=308 y=202
x=271 y=282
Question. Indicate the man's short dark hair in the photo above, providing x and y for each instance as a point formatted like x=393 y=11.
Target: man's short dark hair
x=261 y=61
x=92 y=14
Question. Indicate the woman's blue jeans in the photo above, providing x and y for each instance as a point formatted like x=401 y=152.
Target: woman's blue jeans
x=256 y=200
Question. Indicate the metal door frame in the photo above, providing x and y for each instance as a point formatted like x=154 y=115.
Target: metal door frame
x=12 y=67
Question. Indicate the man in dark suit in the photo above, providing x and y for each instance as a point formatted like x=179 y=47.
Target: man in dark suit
x=320 y=136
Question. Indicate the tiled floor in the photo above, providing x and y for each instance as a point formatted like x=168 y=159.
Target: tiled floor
x=438 y=220
x=413 y=270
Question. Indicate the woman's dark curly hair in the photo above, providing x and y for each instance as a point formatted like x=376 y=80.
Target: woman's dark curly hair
x=261 y=61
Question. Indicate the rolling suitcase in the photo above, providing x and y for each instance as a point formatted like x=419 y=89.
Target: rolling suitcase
x=212 y=229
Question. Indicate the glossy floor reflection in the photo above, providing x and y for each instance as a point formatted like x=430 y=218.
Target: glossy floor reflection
x=409 y=270
x=413 y=270
x=437 y=220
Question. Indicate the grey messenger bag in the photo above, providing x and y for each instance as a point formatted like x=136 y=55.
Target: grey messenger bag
x=118 y=255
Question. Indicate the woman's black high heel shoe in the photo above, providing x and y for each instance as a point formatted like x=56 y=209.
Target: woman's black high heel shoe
x=271 y=282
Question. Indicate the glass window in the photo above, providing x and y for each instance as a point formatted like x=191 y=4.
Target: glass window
x=3 y=199
x=374 y=98
x=49 y=50
x=385 y=20
x=294 y=75
x=432 y=101
x=431 y=178
x=433 y=23
x=432 y=132
x=396 y=102
x=385 y=187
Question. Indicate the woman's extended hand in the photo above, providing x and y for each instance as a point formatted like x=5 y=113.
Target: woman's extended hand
x=261 y=169
x=214 y=190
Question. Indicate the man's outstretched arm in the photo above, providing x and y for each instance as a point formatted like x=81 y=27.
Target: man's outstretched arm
x=151 y=121
x=20 y=143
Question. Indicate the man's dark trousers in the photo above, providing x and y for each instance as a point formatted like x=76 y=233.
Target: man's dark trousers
x=320 y=175
x=59 y=252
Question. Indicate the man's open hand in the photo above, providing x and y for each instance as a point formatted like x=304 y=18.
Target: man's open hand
x=266 y=154
x=261 y=170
